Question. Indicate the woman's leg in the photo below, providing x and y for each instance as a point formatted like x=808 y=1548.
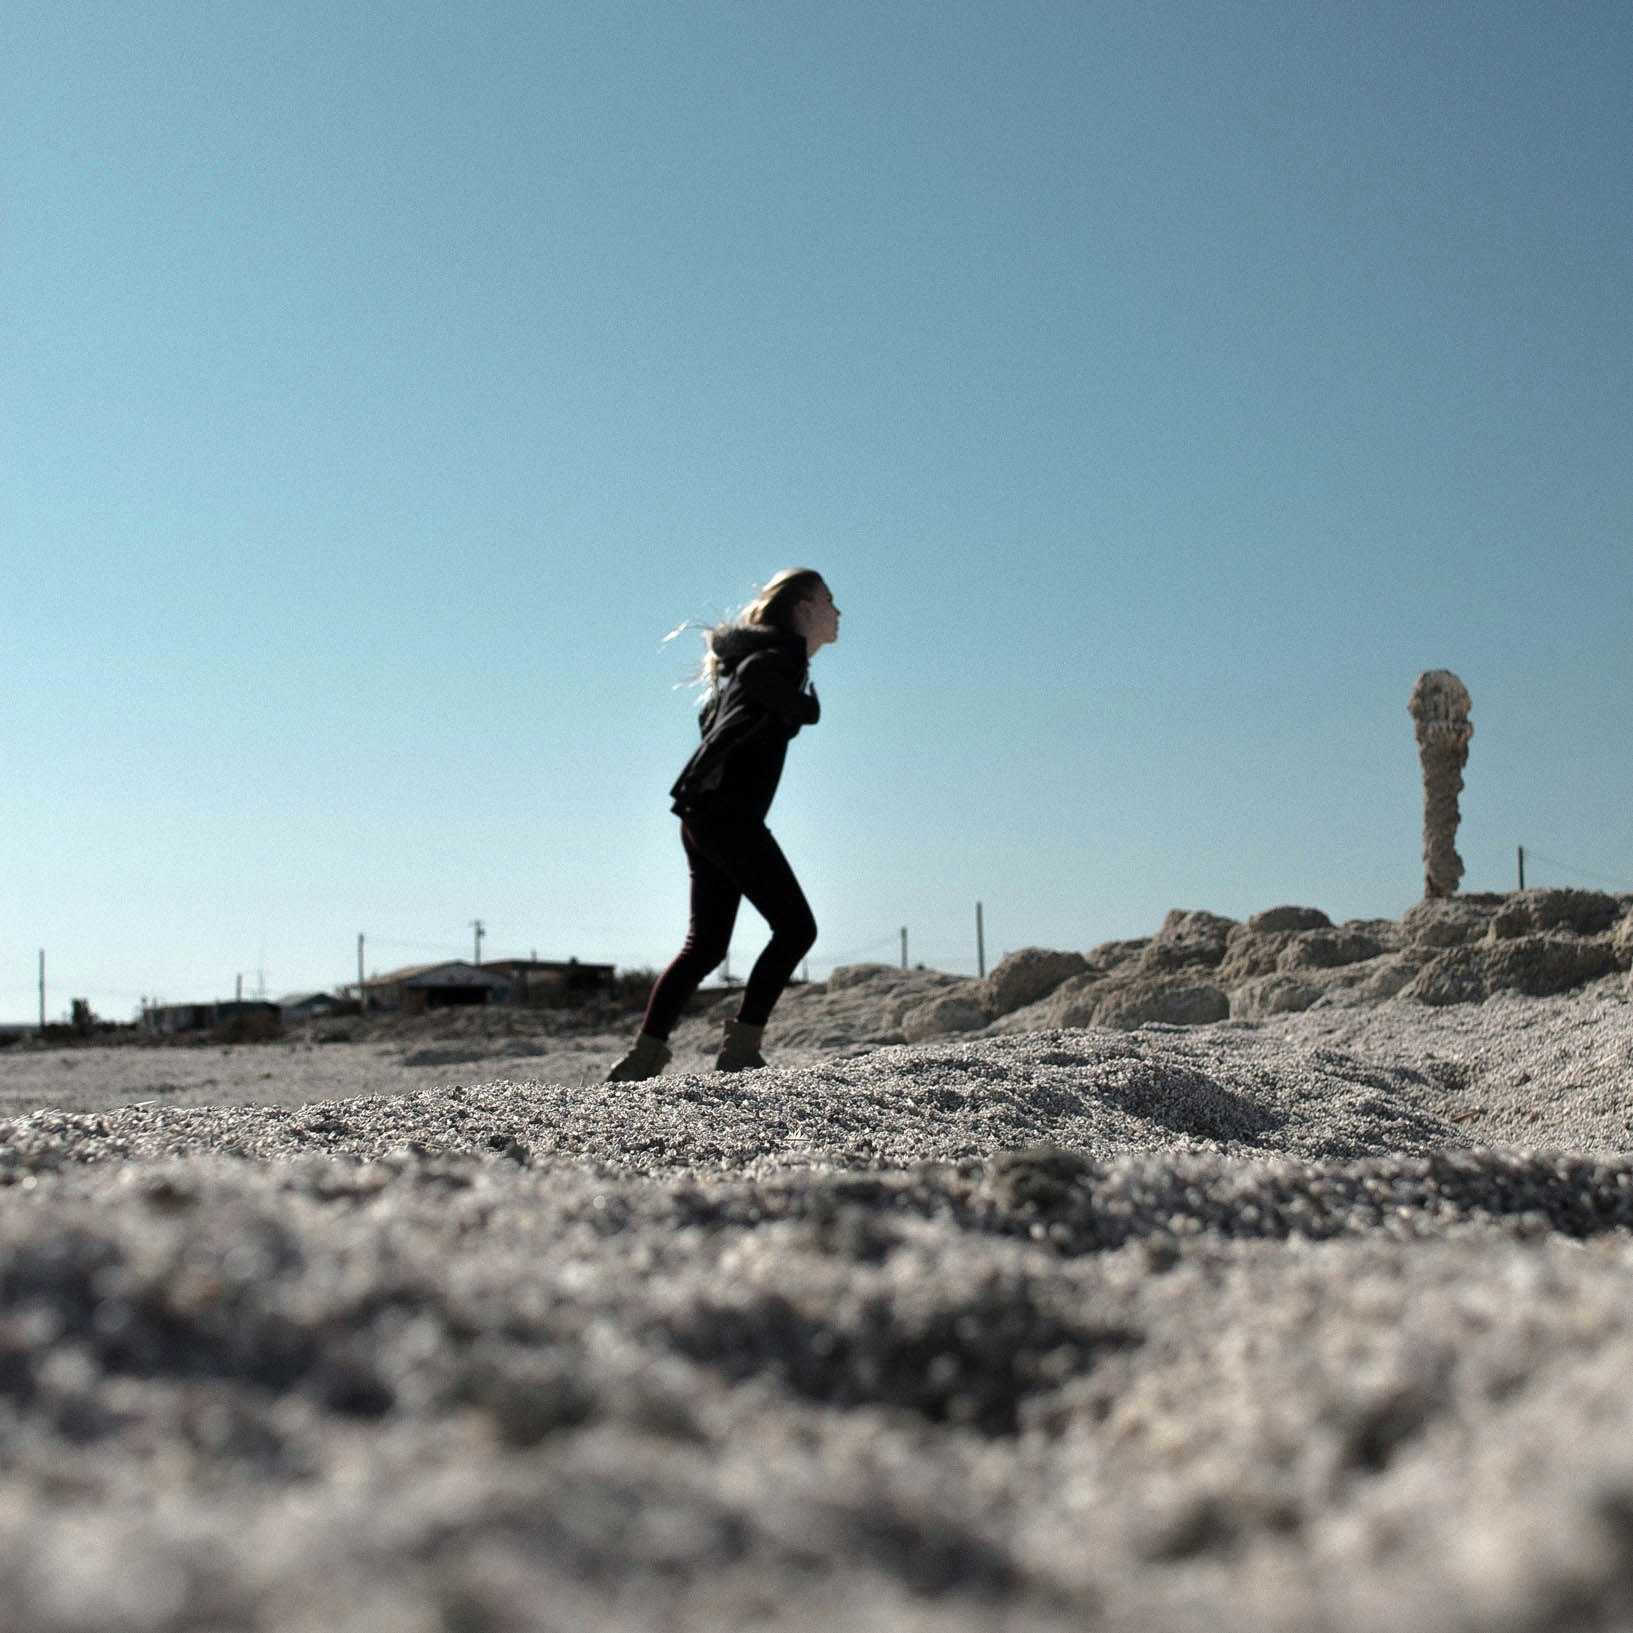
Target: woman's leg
x=715 y=899
x=747 y=853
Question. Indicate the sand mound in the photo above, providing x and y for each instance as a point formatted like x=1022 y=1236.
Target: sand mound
x=1202 y=967
x=1096 y=1093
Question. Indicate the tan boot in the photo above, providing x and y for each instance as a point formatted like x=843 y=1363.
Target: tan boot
x=647 y=1057
x=740 y=1051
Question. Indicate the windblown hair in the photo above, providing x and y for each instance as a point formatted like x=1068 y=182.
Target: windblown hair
x=772 y=608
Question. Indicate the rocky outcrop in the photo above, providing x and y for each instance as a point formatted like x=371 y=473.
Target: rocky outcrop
x=1249 y=955
x=1388 y=976
x=1255 y=947
x=1202 y=967
x=1528 y=912
x=1023 y=977
x=1187 y=940
x=1071 y=1004
x=953 y=1012
x=1621 y=941
x=1439 y=707
x=1174 y=1001
x=1111 y=956
x=1537 y=965
x=865 y=1003
x=1275 y=920
x=1328 y=949
x=1267 y=995
x=859 y=975
x=1450 y=922
x=1537 y=942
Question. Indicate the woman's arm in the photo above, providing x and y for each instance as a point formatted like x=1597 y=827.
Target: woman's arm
x=774 y=686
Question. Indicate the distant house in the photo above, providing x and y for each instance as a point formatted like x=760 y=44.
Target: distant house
x=549 y=981
x=436 y=986
x=305 y=1006
x=535 y=981
x=171 y=1018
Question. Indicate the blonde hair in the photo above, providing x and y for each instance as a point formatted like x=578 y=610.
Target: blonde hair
x=772 y=608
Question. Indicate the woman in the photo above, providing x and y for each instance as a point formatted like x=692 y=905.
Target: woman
x=760 y=695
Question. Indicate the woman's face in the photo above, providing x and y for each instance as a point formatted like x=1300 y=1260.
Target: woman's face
x=817 y=618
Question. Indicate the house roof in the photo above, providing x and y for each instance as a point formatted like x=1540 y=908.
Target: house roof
x=461 y=972
x=552 y=966
x=391 y=977
x=457 y=973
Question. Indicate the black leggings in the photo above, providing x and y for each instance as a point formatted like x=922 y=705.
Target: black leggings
x=730 y=858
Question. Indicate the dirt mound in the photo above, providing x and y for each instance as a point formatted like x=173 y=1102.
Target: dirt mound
x=1202 y=967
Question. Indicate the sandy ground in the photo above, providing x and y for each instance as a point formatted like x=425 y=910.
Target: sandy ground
x=1321 y=1321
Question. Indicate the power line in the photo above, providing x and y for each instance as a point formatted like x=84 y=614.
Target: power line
x=1578 y=873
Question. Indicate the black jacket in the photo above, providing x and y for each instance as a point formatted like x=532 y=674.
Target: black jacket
x=762 y=700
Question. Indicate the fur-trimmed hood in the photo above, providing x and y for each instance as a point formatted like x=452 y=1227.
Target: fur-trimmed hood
x=732 y=643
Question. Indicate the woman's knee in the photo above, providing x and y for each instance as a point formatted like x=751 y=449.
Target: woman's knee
x=798 y=933
x=703 y=954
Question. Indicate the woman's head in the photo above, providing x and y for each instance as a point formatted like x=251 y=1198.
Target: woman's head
x=774 y=606
x=797 y=600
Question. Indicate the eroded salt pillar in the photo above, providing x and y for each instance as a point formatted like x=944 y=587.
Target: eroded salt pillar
x=1440 y=713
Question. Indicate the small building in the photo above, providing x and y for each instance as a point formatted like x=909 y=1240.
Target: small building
x=537 y=982
x=168 y=1019
x=541 y=982
x=305 y=1006
x=436 y=986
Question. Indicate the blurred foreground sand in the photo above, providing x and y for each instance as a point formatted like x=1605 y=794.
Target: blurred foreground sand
x=1321 y=1319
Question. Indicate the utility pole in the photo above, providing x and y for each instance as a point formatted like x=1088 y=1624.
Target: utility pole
x=476 y=925
x=980 y=943
x=362 y=997
x=1522 y=867
x=904 y=946
x=238 y=991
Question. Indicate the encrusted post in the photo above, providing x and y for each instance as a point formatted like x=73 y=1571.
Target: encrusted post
x=1440 y=712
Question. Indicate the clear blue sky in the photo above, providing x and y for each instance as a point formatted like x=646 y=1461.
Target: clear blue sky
x=1160 y=386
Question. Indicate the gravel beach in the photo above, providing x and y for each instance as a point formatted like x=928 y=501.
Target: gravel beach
x=1317 y=1320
